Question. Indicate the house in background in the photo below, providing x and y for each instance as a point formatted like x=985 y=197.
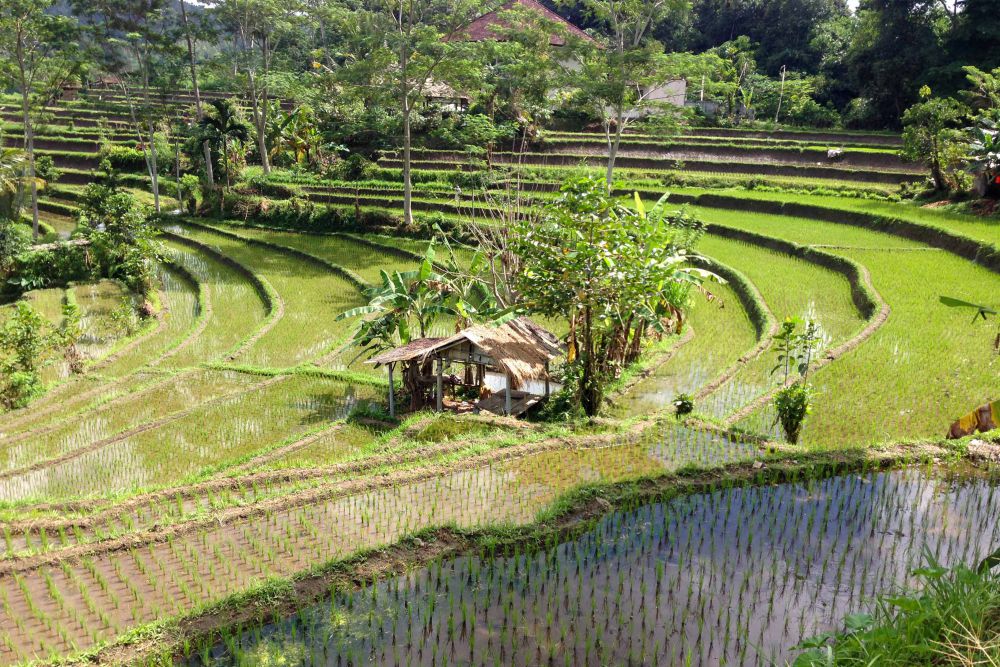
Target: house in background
x=491 y=25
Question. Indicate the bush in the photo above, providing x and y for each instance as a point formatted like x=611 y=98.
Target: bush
x=860 y=114
x=61 y=265
x=812 y=114
x=123 y=158
x=954 y=620
x=355 y=167
x=260 y=184
x=122 y=238
x=45 y=169
x=793 y=403
x=13 y=241
x=307 y=216
x=26 y=341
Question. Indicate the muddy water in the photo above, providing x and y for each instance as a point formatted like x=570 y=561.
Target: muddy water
x=737 y=576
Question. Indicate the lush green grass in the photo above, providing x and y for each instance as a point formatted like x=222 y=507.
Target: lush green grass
x=791 y=287
x=924 y=368
x=313 y=297
x=722 y=334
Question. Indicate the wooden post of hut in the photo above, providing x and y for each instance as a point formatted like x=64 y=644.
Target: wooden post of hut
x=440 y=384
x=547 y=390
x=508 y=403
x=392 y=393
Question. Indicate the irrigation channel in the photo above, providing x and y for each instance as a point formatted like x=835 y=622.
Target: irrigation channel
x=736 y=576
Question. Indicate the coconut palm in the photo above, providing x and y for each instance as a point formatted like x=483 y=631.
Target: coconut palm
x=223 y=128
x=13 y=178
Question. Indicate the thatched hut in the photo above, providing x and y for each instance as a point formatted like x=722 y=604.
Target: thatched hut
x=519 y=350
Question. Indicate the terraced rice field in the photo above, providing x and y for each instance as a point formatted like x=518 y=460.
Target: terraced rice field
x=220 y=446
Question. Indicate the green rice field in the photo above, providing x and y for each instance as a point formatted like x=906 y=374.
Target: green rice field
x=222 y=485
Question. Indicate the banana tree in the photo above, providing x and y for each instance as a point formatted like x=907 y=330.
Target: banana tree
x=983 y=312
x=404 y=307
x=984 y=154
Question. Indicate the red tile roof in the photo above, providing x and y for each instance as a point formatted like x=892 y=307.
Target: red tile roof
x=485 y=27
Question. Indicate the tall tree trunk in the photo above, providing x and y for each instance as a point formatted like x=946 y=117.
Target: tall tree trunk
x=404 y=85
x=154 y=166
x=29 y=137
x=206 y=148
x=614 y=145
x=407 y=172
x=258 y=121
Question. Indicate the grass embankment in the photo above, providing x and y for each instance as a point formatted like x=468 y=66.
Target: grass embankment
x=880 y=391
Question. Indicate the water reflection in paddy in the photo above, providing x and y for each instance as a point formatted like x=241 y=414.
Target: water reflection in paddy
x=736 y=576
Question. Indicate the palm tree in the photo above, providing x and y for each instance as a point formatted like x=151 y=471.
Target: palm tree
x=12 y=178
x=224 y=127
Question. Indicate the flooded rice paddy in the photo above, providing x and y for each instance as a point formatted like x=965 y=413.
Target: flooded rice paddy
x=735 y=576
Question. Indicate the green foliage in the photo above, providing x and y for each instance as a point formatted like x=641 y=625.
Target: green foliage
x=125 y=319
x=795 y=347
x=13 y=241
x=45 y=169
x=122 y=237
x=792 y=404
x=984 y=150
x=227 y=133
x=26 y=342
x=355 y=167
x=931 y=135
x=474 y=133
x=191 y=193
x=615 y=273
x=953 y=620
x=683 y=405
x=60 y=265
x=405 y=306
x=123 y=158
x=70 y=331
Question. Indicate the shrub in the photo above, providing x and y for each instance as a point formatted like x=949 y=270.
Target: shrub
x=62 y=264
x=953 y=620
x=123 y=158
x=25 y=343
x=262 y=185
x=45 y=169
x=683 y=405
x=811 y=113
x=13 y=241
x=121 y=235
x=355 y=167
x=793 y=403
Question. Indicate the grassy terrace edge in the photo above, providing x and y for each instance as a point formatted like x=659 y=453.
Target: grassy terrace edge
x=569 y=515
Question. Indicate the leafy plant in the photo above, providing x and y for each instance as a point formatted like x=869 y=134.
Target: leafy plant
x=26 y=343
x=683 y=405
x=793 y=403
x=795 y=344
x=931 y=136
x=983 y=312
x=617 y=274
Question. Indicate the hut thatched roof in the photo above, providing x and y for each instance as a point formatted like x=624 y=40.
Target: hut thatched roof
x=518 y=348
x=409 y=352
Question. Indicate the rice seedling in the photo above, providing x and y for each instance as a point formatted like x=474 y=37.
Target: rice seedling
x=734 y=575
